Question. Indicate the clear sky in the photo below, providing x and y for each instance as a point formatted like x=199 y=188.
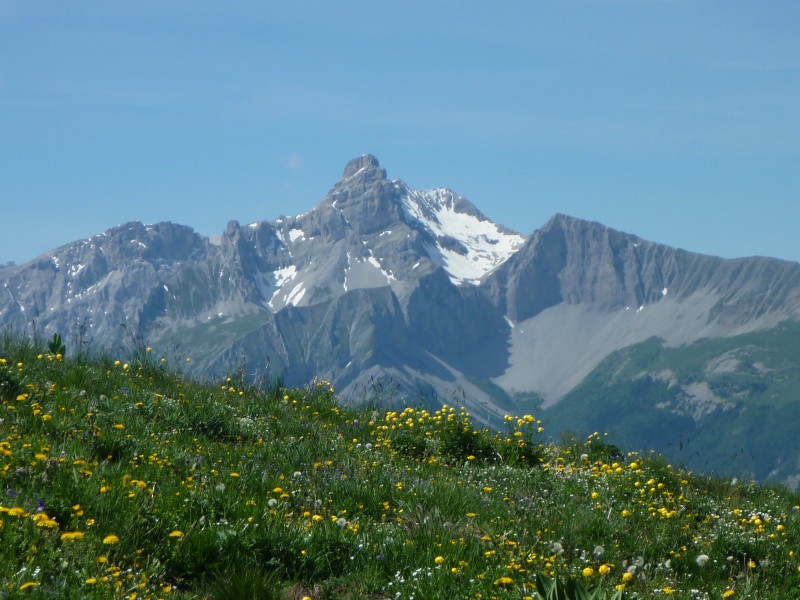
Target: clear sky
x=676 y=120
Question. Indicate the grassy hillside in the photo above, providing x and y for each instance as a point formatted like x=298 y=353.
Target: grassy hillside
x=120 y=479
x=723 y=405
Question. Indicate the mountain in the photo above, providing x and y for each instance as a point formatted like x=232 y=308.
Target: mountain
x=399 y=296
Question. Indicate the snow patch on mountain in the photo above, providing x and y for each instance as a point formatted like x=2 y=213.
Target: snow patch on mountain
x=467 y=244
x=271 y=284
x=346 y=272
x=376 y=263
x=296 y=295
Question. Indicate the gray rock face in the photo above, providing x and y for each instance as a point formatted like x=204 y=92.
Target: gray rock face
x=583 y=263
x=93 y=287
x=414 y=293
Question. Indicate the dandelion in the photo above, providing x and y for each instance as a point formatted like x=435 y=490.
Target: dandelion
x=728 y=593
x=43 y=520
x=439 y=560
x=701 y=560
x=587 y=571
x=110 y=540
x=28 y=585
x=504 y=581
x=71 y=536
x=604 y=569
x=176 y=534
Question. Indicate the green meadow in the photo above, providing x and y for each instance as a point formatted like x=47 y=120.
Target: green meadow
x=120 y=478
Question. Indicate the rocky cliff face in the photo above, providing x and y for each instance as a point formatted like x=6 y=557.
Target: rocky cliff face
x=584 y=263
x=96 y=288
x=384 y=287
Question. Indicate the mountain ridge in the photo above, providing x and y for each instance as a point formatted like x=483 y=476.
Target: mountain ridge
x=384 y=289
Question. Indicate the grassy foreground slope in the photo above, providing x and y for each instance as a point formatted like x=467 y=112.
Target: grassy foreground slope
x=124 y=480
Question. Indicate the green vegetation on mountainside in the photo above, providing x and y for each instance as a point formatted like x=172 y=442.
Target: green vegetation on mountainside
x=721 y=405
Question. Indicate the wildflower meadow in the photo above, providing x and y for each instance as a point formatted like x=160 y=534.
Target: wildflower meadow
x=120 y=478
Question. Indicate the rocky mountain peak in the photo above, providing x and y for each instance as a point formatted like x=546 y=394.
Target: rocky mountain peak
x=362 y=200
x=364 y=164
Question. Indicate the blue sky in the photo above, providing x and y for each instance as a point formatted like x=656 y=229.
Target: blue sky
x=675 y=120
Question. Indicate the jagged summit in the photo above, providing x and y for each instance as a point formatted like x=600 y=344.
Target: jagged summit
x=366 y=161
x=442 y=226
